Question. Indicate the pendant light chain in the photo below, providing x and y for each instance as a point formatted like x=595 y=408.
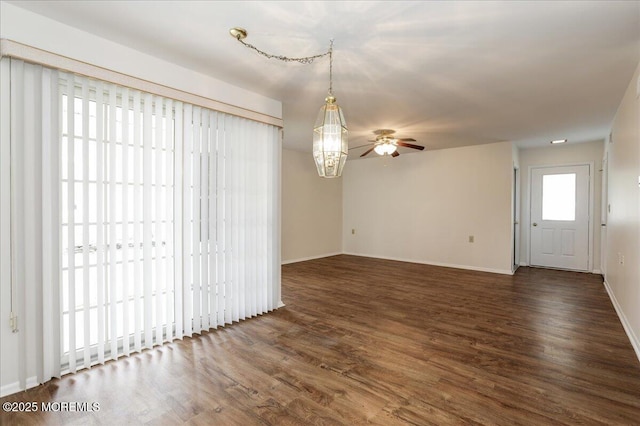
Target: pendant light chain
x=331 y=68
x=239 y=34
x=303 y=60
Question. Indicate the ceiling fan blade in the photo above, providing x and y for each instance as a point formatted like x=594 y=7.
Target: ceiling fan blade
x=356 y=147
x=410 y=145
x=406 y=139
x=394 y=154
x=367 y=151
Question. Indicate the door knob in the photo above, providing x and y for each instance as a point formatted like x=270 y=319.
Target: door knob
x=535 y=224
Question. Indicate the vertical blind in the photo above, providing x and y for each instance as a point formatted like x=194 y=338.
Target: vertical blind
x=136 y=219
x=31 y=133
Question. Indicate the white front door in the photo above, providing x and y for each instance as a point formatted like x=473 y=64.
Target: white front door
x=560 y=217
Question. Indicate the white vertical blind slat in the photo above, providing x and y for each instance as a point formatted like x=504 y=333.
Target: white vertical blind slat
x=113 y=279
x=137 y=213
x=125 y=221
x=178 y=222
x=31 y=222
x=147 y=234
x=268 y=165
x=242 y=211
x=99 y=200
x=221 y=220
x=254 y=169
x=238 y=230
x=204 y=222
x=158 y=282
x=50 y=227
x=274 y=224
x=6 y=202
x=138 y=320
x=17 y=205
x=85 y=225
x=211 y=231
x=187 y=234
x=71 y=286
x=167 y=217
x=195 y=241
x=229 y=219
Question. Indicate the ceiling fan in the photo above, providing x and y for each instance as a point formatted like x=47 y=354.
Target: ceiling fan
x=386 y=144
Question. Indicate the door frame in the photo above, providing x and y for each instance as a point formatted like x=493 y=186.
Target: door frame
x=604 y=212
x=590 y=204
x=515 y=218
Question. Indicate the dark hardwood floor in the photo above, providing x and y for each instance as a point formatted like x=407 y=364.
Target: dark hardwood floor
x=372 y=341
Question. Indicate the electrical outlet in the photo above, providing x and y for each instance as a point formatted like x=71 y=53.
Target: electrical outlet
x=620 y=259
x=471 y=238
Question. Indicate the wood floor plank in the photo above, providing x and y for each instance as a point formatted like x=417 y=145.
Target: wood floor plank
x=370 y=341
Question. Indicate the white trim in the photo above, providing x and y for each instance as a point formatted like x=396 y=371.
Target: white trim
x=14 y=387
x=516 y=230
x=444 y=265
x=597 y=272
x=10 y=389
x=304 y=259
x=635 y=342
x=32 y=54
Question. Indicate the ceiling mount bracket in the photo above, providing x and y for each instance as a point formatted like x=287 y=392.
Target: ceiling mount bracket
x=238 y=33
x=383 y=132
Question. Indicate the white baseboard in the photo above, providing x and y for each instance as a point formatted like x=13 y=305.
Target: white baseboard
x=14 y=387
x=304 y=259
x=444 y=265
x=9 y=389
x=594 y=271
x=635 y=342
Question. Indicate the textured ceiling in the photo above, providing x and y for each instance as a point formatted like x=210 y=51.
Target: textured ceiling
x=445 y=73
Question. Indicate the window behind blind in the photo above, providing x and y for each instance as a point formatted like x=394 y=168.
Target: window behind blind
x=169 y=220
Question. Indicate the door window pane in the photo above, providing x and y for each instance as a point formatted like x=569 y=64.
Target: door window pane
x=559 y=197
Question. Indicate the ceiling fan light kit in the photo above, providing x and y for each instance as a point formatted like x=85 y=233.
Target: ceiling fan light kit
x=386 y=148
x=386 y=144
x=330 y=133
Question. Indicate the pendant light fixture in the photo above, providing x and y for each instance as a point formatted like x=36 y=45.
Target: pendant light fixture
x=330 y=134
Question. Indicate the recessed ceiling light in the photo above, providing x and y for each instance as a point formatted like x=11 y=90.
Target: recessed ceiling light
x=558 y=141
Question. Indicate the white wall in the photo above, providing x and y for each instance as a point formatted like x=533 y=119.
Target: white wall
x=311 y=210
x=590 y=152
x=422 y=207
x=623 y=221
